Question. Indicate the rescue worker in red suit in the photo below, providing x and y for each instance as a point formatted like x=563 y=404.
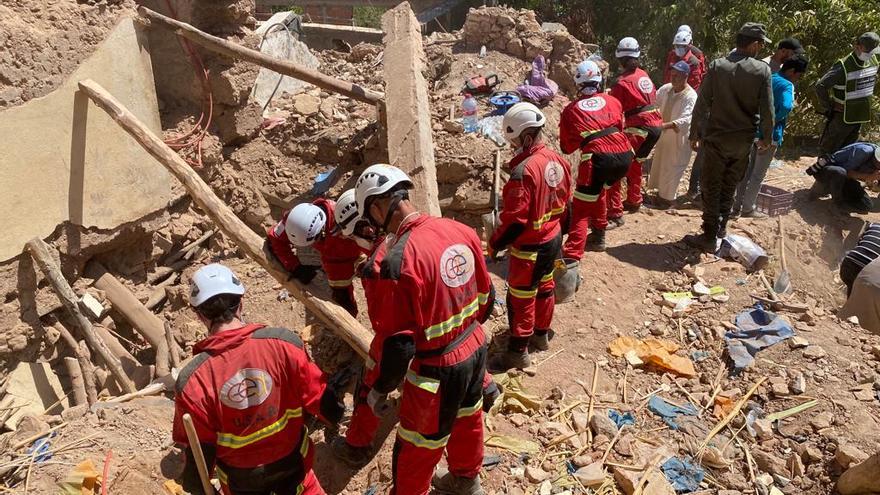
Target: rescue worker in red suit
x=356 y=448
x=637 y=94
x=684 y=50
x=313 y=224
x=248 y=390
x=433 y=291
x=534 y=201
x=594 y=125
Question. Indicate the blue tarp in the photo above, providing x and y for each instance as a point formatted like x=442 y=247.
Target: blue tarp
x=683 y=475
x=668 y=412
x=621 y=419
x=756 y=329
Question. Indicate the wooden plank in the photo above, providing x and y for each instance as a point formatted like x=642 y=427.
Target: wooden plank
x=334 y=316
x=410 y=137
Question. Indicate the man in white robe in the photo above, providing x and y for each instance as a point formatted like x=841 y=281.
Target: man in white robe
x=673 y=151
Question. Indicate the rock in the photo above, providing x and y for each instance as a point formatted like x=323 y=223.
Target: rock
x=591 y=475
x=306 y=104
x=453 y=126
x=237 y=125
x=602 y=424
x=811 y=454
x=536 y=475
x=763 y=428
x=848 y=455
x=861 y=478
x=518 y=419
x=779 y=387
x=580 y=421
x=582 y=460
x=74 y=412
x=797 y=384
x=875 y=350
x=814 y=352
x=795 y=465
x=327 y=107
x=28 y=426
x=798 y=342
x=655 y=485
x=769 y=463
x=93 y=307
x=822 y=421
x=546 y=488
x=729 y=492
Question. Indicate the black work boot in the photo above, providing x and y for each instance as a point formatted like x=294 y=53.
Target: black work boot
x=540 y=340
x=703 y=242
x=351 y=456
x=631 y=207
x=446 y=483
x=615 y=222
x=596 y=240
x=510 y=359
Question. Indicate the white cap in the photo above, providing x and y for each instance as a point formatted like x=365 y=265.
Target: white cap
x=682 y=38
x=346 y=213
x=304 y=224
x=587 y=71
x=628 y=47
x=212 y=280
x=685 y=27
x=377 y=180
x=520 y=117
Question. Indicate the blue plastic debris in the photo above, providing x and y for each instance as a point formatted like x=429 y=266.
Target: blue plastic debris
x=683 y=475
x=42 y=448
x=756 y=329
x=668 y=412
x=323 y=182
x=621 y=419
x=697 y=356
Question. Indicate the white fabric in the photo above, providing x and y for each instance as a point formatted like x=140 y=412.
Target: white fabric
x=673 y=151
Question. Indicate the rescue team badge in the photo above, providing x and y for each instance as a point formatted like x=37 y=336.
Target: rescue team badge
x=457 y=265
x=592 y=104
x=553 y=174
x=646 y=85
x=248 y=387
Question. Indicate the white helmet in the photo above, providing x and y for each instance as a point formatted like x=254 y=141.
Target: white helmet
x=686 y=28
x=682 y=38
x=212 y=280
x=520 y=117
x=346 y=214
x=304 y=224
x=377 y=180
x=628 y=47
x=877 y=152
x=587 y=71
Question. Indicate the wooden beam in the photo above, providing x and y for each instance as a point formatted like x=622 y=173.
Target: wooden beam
x=278 y=65
x=40 y=252
x=410 y=137
x=334 y=316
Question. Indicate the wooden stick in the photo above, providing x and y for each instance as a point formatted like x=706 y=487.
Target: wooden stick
x=87 y=369
x=592 y=399
x=766 y=284
x=739 y=405
x=163 y=361
x=280 y=66
x=332 y=315
x=611 y=445
x=566 y=409
x=187 y=248
x=35 y=436
x=173 y=355
x=196 y=447
x=40 y=252
x=151 y=389
x=77 y=382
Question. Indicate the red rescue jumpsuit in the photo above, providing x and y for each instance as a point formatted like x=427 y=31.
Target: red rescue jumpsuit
x=248 y=391
x=535 y=199
x=339 y=255
x=436 y=291
x=636 y=92
x=594 y=124
x=694 y=57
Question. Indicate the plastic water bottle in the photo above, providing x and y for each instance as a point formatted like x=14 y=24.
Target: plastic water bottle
x=469 y=113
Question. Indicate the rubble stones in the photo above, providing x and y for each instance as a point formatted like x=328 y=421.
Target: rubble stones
x=814 y=352
x=591 y=475
x=848 y=455
x=536 y=475
x=306 y=104
x=822 y=421
x=797 y=384
x=798 y=342
x=769 y=463
x=602 y=424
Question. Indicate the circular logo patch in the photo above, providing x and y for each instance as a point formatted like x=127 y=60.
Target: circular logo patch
x=592 y=104
x=646 y=85
x=248 y=387
x=553 y=174
x=456 y=265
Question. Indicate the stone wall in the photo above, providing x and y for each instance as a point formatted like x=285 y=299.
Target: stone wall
x=518 y=33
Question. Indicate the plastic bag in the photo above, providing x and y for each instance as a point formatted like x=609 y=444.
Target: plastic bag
x=743 y=250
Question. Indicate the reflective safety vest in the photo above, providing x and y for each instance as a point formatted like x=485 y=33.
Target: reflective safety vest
x=855 y=95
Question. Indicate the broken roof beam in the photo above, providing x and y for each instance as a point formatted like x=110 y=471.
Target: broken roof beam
x=278 y=65
x=332 y=315
x=410 y=139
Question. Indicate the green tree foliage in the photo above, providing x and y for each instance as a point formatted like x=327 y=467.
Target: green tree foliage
x=367 y=16
x=826 y=28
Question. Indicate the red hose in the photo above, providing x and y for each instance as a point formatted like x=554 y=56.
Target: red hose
x=104 y=481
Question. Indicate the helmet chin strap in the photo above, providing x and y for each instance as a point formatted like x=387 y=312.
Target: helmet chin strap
x=396 y=198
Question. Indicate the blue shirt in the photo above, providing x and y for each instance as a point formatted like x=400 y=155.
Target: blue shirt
x=783 y=102
x=857 y=156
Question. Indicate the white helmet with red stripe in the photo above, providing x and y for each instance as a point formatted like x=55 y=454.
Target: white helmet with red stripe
x=628 y=47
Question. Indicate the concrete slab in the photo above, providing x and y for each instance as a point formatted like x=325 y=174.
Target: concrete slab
x=64 y=159
x=410 y=140
x=33 y=387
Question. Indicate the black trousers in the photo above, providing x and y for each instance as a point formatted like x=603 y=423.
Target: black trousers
x=725 y=163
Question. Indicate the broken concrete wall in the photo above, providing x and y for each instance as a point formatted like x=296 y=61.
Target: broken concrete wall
x=69 y=160
x=518 y=33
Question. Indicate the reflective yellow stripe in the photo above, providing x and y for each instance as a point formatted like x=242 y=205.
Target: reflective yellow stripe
x=469 y=411
x=428 y=384
x=339 y=283
x=541 y=221
x=590 y=132
x=523 y=294
x=636 y=131
x=370 y=363
x=304 y=446
x=419 y=441
x=236 y=442
x=589 y=198
x=441 y=329
x=221 y=476
x=641 y=160
x=586 y=157
x=524 y=255
x=547 y=278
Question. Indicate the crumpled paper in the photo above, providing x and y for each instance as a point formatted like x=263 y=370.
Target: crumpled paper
x=654 y=352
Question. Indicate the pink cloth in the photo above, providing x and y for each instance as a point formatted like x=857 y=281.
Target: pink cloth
x=538 y=88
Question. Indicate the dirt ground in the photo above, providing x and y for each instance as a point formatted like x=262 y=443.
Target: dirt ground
x=621 y=295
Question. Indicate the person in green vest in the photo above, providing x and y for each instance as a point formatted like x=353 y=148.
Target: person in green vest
x=845 y=92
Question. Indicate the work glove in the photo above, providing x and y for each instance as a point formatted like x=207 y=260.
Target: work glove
x=379 y=403
x=304 y=274
x=342 y=297
x=490 y=395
